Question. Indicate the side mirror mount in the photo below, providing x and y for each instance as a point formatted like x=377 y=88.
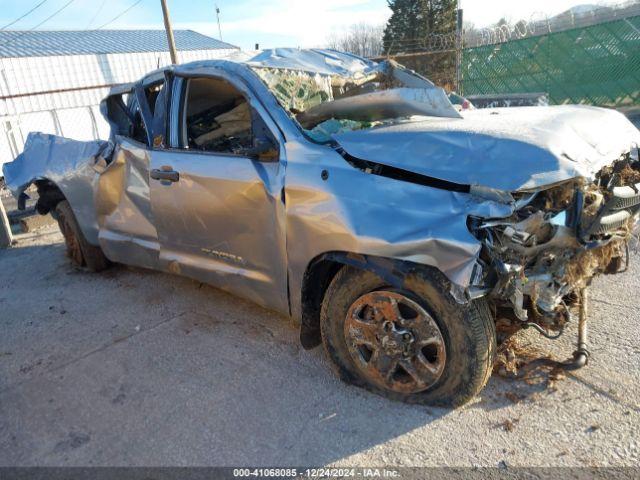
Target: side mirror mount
x=263 y=150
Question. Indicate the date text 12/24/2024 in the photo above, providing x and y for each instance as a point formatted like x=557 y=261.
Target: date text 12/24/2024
x=315 y=473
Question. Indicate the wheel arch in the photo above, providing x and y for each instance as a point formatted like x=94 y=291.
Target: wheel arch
x=49 y=195
x=323 y=268
x=80 y=196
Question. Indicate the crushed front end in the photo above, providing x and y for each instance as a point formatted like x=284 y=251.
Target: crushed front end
x=535 y=263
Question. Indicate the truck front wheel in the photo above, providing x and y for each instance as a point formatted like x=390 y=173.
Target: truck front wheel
x=415 y=344
x=79 y=250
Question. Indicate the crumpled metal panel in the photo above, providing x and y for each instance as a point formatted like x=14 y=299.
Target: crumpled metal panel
x=223 y=221
x=357 y=212
x=67 y=163
x=380 y=105
x=123 y=205
x=324 y=62
x=223 y=224
x=507 y=149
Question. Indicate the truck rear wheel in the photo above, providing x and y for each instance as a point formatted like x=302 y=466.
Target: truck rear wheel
x=415 y=344
x=79 y=250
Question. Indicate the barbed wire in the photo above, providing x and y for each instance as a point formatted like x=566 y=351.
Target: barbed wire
x=541 y=24
x=431 y=43
x=537 y=24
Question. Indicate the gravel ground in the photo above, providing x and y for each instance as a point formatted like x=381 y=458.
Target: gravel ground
x=131 y=367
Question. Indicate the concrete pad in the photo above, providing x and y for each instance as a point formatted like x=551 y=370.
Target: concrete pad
x=132 y=367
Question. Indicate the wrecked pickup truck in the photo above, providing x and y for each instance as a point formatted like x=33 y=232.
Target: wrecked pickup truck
x=354 y=197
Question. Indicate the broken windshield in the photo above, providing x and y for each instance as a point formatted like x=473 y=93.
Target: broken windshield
x=323 y=104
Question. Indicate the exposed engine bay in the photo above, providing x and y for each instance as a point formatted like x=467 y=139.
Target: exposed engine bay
x=536 y=262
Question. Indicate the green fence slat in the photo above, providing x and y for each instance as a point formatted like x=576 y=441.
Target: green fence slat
x=596 y=65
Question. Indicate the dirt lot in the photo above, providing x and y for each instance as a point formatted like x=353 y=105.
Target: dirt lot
x=132 y=367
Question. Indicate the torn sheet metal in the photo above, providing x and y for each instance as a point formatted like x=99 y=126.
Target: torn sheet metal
x=123 y=205
x=536 y=145
x=382 y=105
x=52 y=157
x=556 y=242
x=67 y=163
x=359 y=212
x=317 y=61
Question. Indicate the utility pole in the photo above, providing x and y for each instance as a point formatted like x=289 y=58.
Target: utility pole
x=169 y=30
x=218 y=17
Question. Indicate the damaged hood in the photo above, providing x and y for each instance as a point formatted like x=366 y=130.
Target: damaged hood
x=507 y=149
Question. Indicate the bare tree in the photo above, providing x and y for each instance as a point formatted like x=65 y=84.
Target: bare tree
x=361 y=39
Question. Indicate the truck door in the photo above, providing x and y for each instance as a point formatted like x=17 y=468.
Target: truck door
x=217 y=190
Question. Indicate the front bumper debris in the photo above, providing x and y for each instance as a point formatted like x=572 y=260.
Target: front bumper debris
x=539 y=261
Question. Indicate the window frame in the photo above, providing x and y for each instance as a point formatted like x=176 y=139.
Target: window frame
x=182 y=128
x=176 y=107
x=116 y=100
x=133 y=106
x=140 y=97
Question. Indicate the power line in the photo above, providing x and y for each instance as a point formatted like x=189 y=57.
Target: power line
x=52 y=15
x=120 y=14
x=38 y=25
x=96 y=14
x=29 y=12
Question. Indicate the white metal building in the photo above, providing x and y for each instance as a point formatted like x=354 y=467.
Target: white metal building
x=53 y=81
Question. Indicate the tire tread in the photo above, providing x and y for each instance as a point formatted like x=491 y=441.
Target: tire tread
x=479 y=349
x=92 y=256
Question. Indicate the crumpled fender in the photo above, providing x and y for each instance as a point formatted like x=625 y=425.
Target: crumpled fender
x=69 y=164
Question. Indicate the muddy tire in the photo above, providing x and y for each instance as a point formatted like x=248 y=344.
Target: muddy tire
x=79 y=250
x=443 y=351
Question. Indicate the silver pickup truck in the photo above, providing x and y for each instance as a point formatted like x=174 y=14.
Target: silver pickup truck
x=354 y=197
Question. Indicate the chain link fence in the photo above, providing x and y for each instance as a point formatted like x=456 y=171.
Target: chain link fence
x=595 y=61
x=587 y=55
x=81 y=123
x=541 y=24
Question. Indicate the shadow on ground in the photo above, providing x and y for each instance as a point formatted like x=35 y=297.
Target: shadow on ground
x=133 y=367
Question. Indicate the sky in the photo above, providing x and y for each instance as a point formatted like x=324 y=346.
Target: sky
x=273 y=23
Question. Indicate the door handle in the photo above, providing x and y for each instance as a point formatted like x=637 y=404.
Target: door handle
x=165 y=174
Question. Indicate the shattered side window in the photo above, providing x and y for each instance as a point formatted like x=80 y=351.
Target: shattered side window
x=152 y=96
x=118 y=115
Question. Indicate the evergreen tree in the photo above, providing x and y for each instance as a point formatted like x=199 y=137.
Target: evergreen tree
x=410 y=29
x=412 y=21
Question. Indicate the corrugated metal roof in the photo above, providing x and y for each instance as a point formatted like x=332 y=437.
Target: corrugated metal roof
x=41 y=43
